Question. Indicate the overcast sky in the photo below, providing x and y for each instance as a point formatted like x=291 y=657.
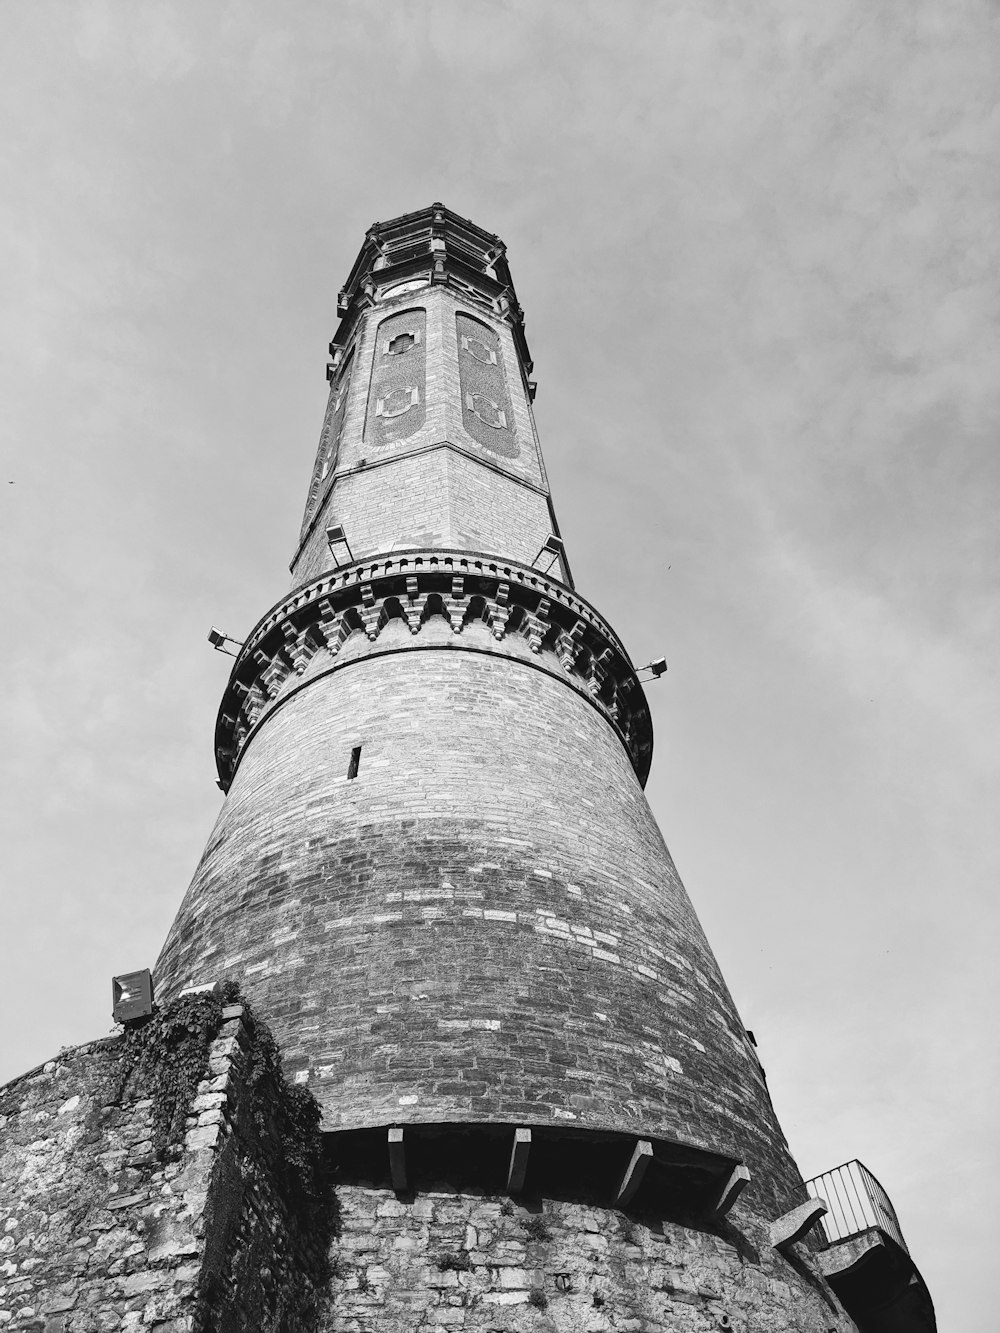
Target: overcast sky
x=757 y=247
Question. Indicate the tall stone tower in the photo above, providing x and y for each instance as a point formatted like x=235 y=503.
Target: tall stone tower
x=437 y=875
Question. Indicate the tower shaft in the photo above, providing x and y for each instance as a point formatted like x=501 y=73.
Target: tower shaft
x=436 y=875
x=435 y=870
x=435 y=867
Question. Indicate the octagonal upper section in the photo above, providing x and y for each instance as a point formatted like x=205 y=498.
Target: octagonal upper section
x=429 y=437
x=434 y=245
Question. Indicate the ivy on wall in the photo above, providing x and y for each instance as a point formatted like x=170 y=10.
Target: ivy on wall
x=271 y=1213
x=165 y=1057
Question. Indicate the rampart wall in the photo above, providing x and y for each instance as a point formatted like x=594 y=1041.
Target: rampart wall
x=104 y=1233
x=467 y=1261
x=107 y=1228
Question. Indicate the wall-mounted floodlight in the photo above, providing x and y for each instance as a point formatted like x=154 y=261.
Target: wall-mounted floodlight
x=335 y=536
x=552 y=546
x=132 y=996
x=656 y=668
x=218 y=640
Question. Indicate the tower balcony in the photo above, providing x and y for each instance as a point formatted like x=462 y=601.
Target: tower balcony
x=351 y=612
x=864 y=1256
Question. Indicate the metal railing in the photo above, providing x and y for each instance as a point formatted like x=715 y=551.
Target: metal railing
x=857 y=1202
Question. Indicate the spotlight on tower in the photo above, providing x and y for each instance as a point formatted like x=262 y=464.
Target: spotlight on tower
x=552 y=546
x=218 y=640
x=336 y=536
x=656 y=668
x=132 y=996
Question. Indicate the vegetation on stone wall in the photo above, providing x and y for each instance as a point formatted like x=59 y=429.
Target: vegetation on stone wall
x=164 y=1058
x=272 y=1209
x=283 y=1125
x=276 y=1257
x=536 y=1227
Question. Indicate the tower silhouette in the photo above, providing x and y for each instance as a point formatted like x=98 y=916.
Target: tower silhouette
x=437 y=875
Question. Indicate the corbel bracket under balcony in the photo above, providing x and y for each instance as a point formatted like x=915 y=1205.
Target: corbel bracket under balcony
x=562 y=634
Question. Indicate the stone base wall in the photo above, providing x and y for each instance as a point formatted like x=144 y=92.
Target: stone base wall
x=448 y=1260
x=94 y=1233
x=102 y=1233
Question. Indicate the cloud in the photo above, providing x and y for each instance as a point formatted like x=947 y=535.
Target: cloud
x=150 y=38
x=758 y=251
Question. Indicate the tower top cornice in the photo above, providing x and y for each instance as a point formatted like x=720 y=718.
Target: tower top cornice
x=436 y=246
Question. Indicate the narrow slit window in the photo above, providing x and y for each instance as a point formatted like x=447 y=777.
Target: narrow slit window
x=355 y=764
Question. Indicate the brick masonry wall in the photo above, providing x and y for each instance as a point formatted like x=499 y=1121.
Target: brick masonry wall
x=436 y=498
x=448 y=1260
x=98 y=1235
x=437 y=485
x=484 y=925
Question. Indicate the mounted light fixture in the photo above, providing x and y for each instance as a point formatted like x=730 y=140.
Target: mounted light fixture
x=132 y=996
x=335 y=536
x=552 y=546
x=656 y=668
x=218 y=640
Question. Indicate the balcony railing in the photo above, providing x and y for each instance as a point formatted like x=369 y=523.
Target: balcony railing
x=857 y=1202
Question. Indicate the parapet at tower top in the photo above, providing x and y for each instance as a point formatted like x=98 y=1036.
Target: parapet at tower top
x=431 y=245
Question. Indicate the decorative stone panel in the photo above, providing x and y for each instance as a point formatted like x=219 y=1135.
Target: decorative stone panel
x=486 y=408
x=397 y=400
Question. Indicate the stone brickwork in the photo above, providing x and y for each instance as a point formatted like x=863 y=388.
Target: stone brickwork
x=100 y=1233
x=449 y=1260
x=83 y=1208
x=438 y=497
x=436 y=475
x=342 y=616
x=436 y=875
x=484 y=924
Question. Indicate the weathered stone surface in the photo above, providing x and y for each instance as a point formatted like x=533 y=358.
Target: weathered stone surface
x=648 y=1274
x=443 y=919
x=479 y=924
x=92 y=1244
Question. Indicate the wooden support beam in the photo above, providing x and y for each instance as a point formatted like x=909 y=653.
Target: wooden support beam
x=518 y=1160
x=734 y=1186
x=793 y=1225
x=641 y=1157
x=397 y=1160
